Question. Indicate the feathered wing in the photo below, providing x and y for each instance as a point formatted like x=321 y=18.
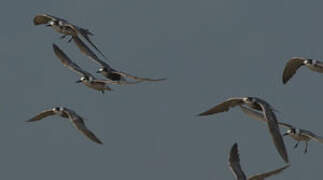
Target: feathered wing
x=42 y=115
x=274 y=129
x=312 y=135
x=88 y=52
x=78 y=122
x=223 y=107
x=291 y=67
x=234 y=163
x=260 y=116
x=85 y=33
x=68 y=62
x=42 y=19
x=139 y=79
x=262 y=176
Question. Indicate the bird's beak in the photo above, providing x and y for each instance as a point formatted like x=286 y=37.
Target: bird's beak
x=78 y=81
x=285 y=134
x=48 y=25
x=98 y=71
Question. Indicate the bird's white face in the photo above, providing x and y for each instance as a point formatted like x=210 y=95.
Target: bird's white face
x=57 y=109
x=52 y=23
x=249 y=100
x=60 y=23
x=83 y=78
x=101 y=69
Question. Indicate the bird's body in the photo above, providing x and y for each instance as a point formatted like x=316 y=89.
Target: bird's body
x=295 y=63
x=234 y=164
x=295 y=133
x=267 y=110
x=76 y=120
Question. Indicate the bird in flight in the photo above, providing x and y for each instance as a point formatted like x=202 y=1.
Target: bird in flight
x=66 y=28
x=106 y=70
x=257 y=104
x=296 y=62
x=76 y=120
x=234 y=164
x=295 y=133
x=87 y=78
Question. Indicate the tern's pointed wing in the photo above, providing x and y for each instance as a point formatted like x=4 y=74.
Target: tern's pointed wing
x=43 y=19
x=121 y=82
x=42 y=115
x=68 y=62
x=312 y=135
x=291 y=67
x=78 y=122
x=85 y=33
x=88 y=52
x=234 y=163
x=260 y=116
x=224 y=106
x=267 y=174
x=138 y=78
x=273 y=128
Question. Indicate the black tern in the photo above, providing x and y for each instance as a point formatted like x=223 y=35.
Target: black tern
x=296 y=133
x=296 y=62
x=234 y=164
x=64 y=27
x=267 y=110
x=106 y=70
x=87 y=78
x=64 y=112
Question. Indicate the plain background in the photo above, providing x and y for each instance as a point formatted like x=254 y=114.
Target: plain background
x=208 y=50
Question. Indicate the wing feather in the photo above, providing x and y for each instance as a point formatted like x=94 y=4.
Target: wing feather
x=268 y=174
x=291 y=67
x=234 y=163
x=223 y=107
x=42 y=115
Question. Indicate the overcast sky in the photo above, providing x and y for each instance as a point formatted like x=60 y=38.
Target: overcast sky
x=208 y=50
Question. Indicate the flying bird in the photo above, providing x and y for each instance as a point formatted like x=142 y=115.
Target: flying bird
x=87 y=78
x=234 y=164
x=66 y=28
x=257 y=104
x=295 y=133
x=64 y=112
x=296 y=62
x=106 y=70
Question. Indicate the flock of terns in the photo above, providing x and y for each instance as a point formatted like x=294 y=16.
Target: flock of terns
x=254 y=107
x=261 y=110
x=112 y=76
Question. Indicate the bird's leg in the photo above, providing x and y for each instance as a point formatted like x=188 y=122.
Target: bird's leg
x=296 y=145
x=306 y=147
x=102 y=91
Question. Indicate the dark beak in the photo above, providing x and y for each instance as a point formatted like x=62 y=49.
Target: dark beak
x=48 y=25
x=98 y=72
x=285 y=134
x=79 y=81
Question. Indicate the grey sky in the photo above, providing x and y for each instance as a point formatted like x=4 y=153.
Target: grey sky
x=208 y=50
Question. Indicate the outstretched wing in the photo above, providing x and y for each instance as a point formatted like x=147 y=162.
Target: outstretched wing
x=291 y=67
x=43 y=19
x=42 y=115
x=260 y=116
x=234 y=163
x=88 y=52
x=85 y=33
x=224 y=106
x=140 y=79
x=267 y=174
x=68 y=62
x=78 y=122
x=312 y=135
x=273 y=128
